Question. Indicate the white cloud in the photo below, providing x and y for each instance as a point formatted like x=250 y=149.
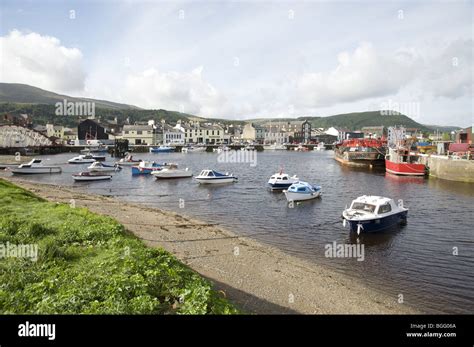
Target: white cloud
x=40 y=61
x=185 y=92
x=362 y=74
x=367 y=73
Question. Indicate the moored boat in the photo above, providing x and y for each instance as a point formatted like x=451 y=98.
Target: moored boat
x=161 y=149
x=146 y=168
x=280 y=180
x=85 y=159
x=89 y=176
x=35 y=166
x=274 y=147
x=361 y=152
x=128 y=161
x=300 y=191
x=374 y=213
x=401 y=161
x=213 y=177
x=319 y=147
x=94 y=149
x=193 y=149
x=98 y=166
x=301 y=148
x=172 y=172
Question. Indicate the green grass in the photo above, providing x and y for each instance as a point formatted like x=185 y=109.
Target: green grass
x=90 y=264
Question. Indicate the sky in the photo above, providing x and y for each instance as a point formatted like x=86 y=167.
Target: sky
x=249 y=59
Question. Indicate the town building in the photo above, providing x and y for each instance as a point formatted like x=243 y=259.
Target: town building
x=139 y=134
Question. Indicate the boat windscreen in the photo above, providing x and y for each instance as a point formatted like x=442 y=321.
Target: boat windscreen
x=363 y=207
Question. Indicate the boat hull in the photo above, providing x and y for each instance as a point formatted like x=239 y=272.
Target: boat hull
x=91 y=177
x=144 y=171
x=359 y=159
x=279 y=186
x=167 y=175
x=161 y=150
x=32 y=171
x=290 y=196
x=378 y=224
x=215 y=180
x=405 y=169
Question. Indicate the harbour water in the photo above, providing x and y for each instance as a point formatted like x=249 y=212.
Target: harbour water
x=430 y=261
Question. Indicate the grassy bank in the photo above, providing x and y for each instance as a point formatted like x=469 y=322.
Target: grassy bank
x=90 y=264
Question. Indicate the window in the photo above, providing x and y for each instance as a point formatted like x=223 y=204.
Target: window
x=285 y=178
x=385 y=208
x=139 y=132
x=363 y=207
x=301 y=189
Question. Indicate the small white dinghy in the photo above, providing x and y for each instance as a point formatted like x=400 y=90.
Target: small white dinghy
x=90 y=176
x=214 y=177
x=301 y=191
x=35 y=166
x=172 y=172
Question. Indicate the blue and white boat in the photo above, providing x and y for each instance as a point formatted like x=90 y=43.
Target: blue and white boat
x=161 y=149
x=281 y=181
x=146 y=168
x=374 y=213
x=213 y=177
x=300 y=191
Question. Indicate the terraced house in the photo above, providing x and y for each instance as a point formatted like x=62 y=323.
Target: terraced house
x=139 y=134
x=207 y=133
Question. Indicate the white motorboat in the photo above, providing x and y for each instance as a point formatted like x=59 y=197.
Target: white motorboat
x=374 y=213
x=35 y=166
x=97 y=149
x=281 y=180
x=274 y=147
x=320 y=147
x=213 y=177
x=161 y=149
x=300 y=191
x=221 y=149
x=128 y=161
x=85 y=159
x=172 y=172
x=98 y=166
x=193 y=149
x=90 y=176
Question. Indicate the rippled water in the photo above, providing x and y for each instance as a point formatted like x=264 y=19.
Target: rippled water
x=416 y=261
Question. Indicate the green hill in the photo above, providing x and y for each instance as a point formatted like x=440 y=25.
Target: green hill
x=25 y=94
x=22 y=98
x=358 y=120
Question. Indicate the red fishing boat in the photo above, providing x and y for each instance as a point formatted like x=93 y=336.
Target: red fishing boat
x=401 y=161
x=361 y=152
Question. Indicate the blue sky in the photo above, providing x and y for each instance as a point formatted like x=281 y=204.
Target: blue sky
x=249 y=59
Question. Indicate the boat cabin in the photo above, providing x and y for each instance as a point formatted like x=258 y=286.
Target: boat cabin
x=374 y=205
x=32 y=163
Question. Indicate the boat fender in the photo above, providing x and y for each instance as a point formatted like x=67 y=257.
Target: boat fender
x=360 y=227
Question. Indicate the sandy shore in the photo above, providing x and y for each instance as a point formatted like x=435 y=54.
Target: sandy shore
x=257 y=277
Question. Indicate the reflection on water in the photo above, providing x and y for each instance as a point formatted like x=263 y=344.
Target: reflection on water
x=416 y=260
